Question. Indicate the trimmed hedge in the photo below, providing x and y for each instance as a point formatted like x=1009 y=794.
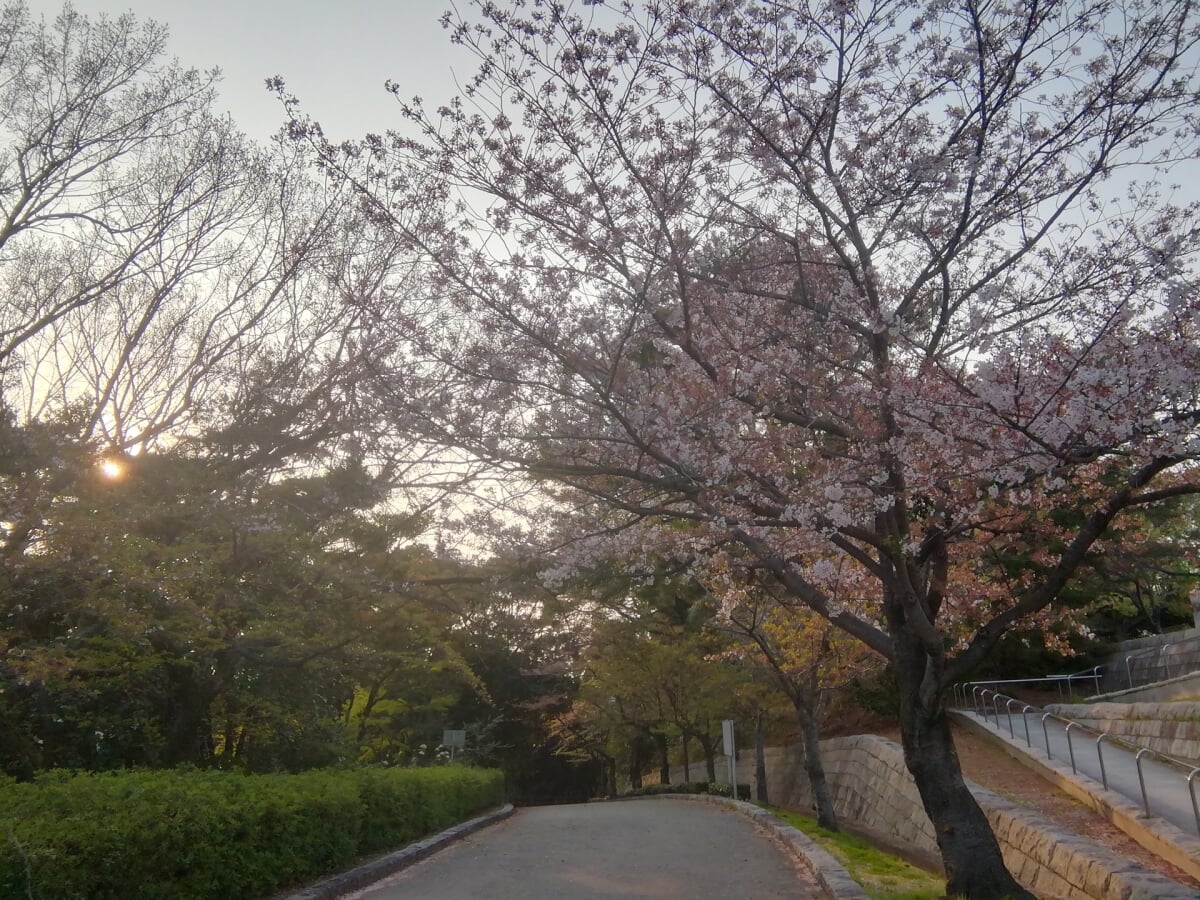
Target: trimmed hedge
x=691 y=787
x=194 y=834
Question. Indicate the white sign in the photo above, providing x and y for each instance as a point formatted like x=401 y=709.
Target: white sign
x=731 y=755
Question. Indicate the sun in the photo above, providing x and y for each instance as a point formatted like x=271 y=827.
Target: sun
x=111 y=469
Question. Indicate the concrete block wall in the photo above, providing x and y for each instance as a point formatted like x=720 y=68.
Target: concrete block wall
x=1171 y=728
x=1178 y=654
x=1186 y=687
x=872 y=787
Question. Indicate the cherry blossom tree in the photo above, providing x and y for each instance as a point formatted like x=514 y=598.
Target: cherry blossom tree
x=898 y=287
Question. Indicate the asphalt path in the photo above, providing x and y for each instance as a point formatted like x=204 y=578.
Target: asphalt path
x=651 y=848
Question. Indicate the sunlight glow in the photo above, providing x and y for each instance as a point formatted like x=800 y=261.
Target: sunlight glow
x=111 y=469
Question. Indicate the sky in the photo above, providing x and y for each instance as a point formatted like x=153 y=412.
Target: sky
x=335 y=55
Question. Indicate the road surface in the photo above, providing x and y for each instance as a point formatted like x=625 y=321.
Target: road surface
x=652 y=848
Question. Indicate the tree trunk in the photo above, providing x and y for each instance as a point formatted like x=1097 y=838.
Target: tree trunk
x=664 y=759
x=760 y=759
x=612 y=777
x=635 y=764
x=710 y=755
x=687 y=764
x=970 y=853
x=814 y=766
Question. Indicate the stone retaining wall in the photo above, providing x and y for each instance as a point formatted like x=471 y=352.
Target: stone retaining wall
x=1178 y=653
x=872 y=788
x=1183 y=688
x=1169 y=728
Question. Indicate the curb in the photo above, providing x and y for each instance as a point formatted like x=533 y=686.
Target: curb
x=1156 y=835
x=830 y=873
x=368 y=873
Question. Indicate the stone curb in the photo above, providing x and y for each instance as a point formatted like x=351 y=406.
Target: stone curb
x=831 y=874
x=1159 y=837
x=370 y=872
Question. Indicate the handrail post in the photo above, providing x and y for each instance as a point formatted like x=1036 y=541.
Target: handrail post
x=1100 y=756
x=983 y=692
x=1070 y=747
x=1046 y=734
x=1025 y=719
x=1191 y=780
x=996 y=707
x=1141 y=778
x=1008 y=706
x=1128 y=670
x=1099 y=673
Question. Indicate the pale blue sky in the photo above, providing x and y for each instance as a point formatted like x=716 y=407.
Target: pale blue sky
x=334 y=55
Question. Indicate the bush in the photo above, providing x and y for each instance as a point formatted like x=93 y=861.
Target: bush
x=187 y=833
x=722 y=790
x=690 y=787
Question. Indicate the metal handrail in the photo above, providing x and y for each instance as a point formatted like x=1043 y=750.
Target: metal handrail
x=1142 y=778
x=1192 y=790
x=1094 y=674
x=1139 y=751
x=1100 y=756
x=1008 y=707
x=1070 y=747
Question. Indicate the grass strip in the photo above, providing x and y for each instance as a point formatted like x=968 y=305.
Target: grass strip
x=882 y=875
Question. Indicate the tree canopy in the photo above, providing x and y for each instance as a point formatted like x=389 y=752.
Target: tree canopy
x=899 y=284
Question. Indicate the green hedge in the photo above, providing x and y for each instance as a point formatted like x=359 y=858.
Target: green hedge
x=690 y=787
x=193 y=834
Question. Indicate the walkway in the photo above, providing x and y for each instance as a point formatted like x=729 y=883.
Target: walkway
x=648 y=849
x=1166 y=786
x=1170 y=831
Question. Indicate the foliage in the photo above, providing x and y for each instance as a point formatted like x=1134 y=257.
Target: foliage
x=891 y=289
x=217 y=834
x=690 y=787
x=683 y=787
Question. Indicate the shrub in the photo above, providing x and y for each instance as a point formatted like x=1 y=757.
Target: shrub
x=690 y=787
x=187 y=833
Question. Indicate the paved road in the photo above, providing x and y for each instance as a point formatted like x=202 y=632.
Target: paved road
x=654 y=848
x=1166 y=786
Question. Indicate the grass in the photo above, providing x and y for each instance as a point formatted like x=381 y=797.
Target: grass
x=882 y=875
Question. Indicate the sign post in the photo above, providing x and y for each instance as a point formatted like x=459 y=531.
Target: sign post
x=731 y=752
x=454 y=739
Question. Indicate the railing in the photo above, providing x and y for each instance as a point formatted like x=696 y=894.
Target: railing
x=1064 y=683
x=991 y=704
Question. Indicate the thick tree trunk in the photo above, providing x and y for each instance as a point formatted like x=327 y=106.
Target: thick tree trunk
x=189 y=731
x=608 y=768
x=635 y=763
x=814 y=766
x=760 y=759
x=664 y=759
x=970 y=853
x=710 y=756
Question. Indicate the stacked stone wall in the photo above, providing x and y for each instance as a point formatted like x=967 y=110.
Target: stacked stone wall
x=1152 y=659
x=872 y=788
x=1172 y=729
